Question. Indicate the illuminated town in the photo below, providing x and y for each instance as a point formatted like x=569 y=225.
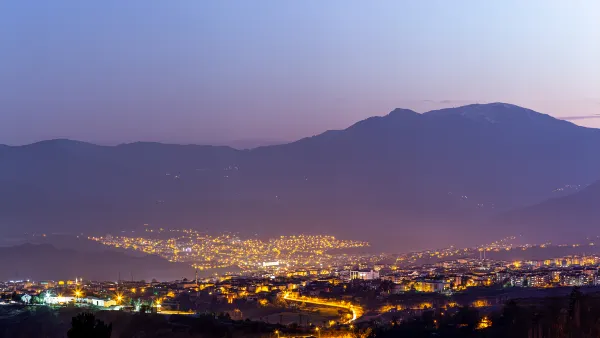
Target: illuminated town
x=276 y=286
x=299 y=169
x=227 y=251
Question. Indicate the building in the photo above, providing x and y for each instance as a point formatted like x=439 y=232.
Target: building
x=574 y=279
x=54 y=300
x=518 y=281
x=539 y=280
x=47 y=284
x=100 y=302
x=556 y=276
x=399 y=288
x=431 y=286
x=364 y=274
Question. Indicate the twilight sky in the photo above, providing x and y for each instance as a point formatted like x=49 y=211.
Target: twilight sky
x=193 y=71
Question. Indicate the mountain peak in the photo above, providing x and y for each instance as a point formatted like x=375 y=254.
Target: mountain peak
x=395 y=118
x=60 y=142
x=402 y=112
x=499 y=113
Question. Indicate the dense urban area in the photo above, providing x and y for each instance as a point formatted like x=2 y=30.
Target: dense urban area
x=307 y=285
x=228 y=250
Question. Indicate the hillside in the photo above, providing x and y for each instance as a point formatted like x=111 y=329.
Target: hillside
x=569 y=218
x=443 y=171
x=44 y=261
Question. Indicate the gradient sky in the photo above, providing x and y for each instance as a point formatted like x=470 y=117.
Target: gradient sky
x=195 y=71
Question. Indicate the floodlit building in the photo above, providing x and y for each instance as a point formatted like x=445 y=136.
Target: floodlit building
x=100 y=302
x=54 y=300
x=431 y=286
x=364 y=274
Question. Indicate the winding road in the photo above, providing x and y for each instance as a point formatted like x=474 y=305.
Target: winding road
x=356 y=310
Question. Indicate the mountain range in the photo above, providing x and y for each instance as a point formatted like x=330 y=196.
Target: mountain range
x=403 y=181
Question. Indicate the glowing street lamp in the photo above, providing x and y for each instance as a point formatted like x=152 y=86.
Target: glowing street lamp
x=118 y=297
x=78 y=293
x=318 y=331
x=277 y=333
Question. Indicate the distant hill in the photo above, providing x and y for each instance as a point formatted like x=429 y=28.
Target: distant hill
x=394 y=179
x=253 y=143
x=79 y=244
x=43 y=262
x=569 y=218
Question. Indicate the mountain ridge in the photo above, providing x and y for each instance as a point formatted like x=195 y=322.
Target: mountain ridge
x=464 y=111
x=382 y=173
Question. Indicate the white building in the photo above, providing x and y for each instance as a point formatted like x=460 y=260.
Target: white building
x=100 y=302
x=54 y=300
x=518 y=281
x=364 y=274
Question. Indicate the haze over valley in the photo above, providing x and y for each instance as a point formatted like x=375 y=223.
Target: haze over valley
x=466 y=174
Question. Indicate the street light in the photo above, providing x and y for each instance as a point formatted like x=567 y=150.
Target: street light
x=78 y=294
x=119 y=298
x=318 y=331
x=277 y=333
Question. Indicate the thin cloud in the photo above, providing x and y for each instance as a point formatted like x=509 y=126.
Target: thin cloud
x=582 y=117
x=448 y=101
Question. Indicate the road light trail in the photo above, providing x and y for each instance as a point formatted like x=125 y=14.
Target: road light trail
x=356 y=310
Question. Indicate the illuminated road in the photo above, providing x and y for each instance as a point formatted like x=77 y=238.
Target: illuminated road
x=356 y=310
x=182 y=313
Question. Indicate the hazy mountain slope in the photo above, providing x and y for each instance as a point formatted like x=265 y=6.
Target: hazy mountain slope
x=441 y=171
x=29 y=261
x=569 y=218
x=509 y=163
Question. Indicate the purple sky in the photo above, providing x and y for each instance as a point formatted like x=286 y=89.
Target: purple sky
x=193 y=71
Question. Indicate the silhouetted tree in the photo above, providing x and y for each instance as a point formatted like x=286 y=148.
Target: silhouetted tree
x=224 y=316
x=85 y=325
x=15 y=297
x=428 y=319
x=467 y=318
